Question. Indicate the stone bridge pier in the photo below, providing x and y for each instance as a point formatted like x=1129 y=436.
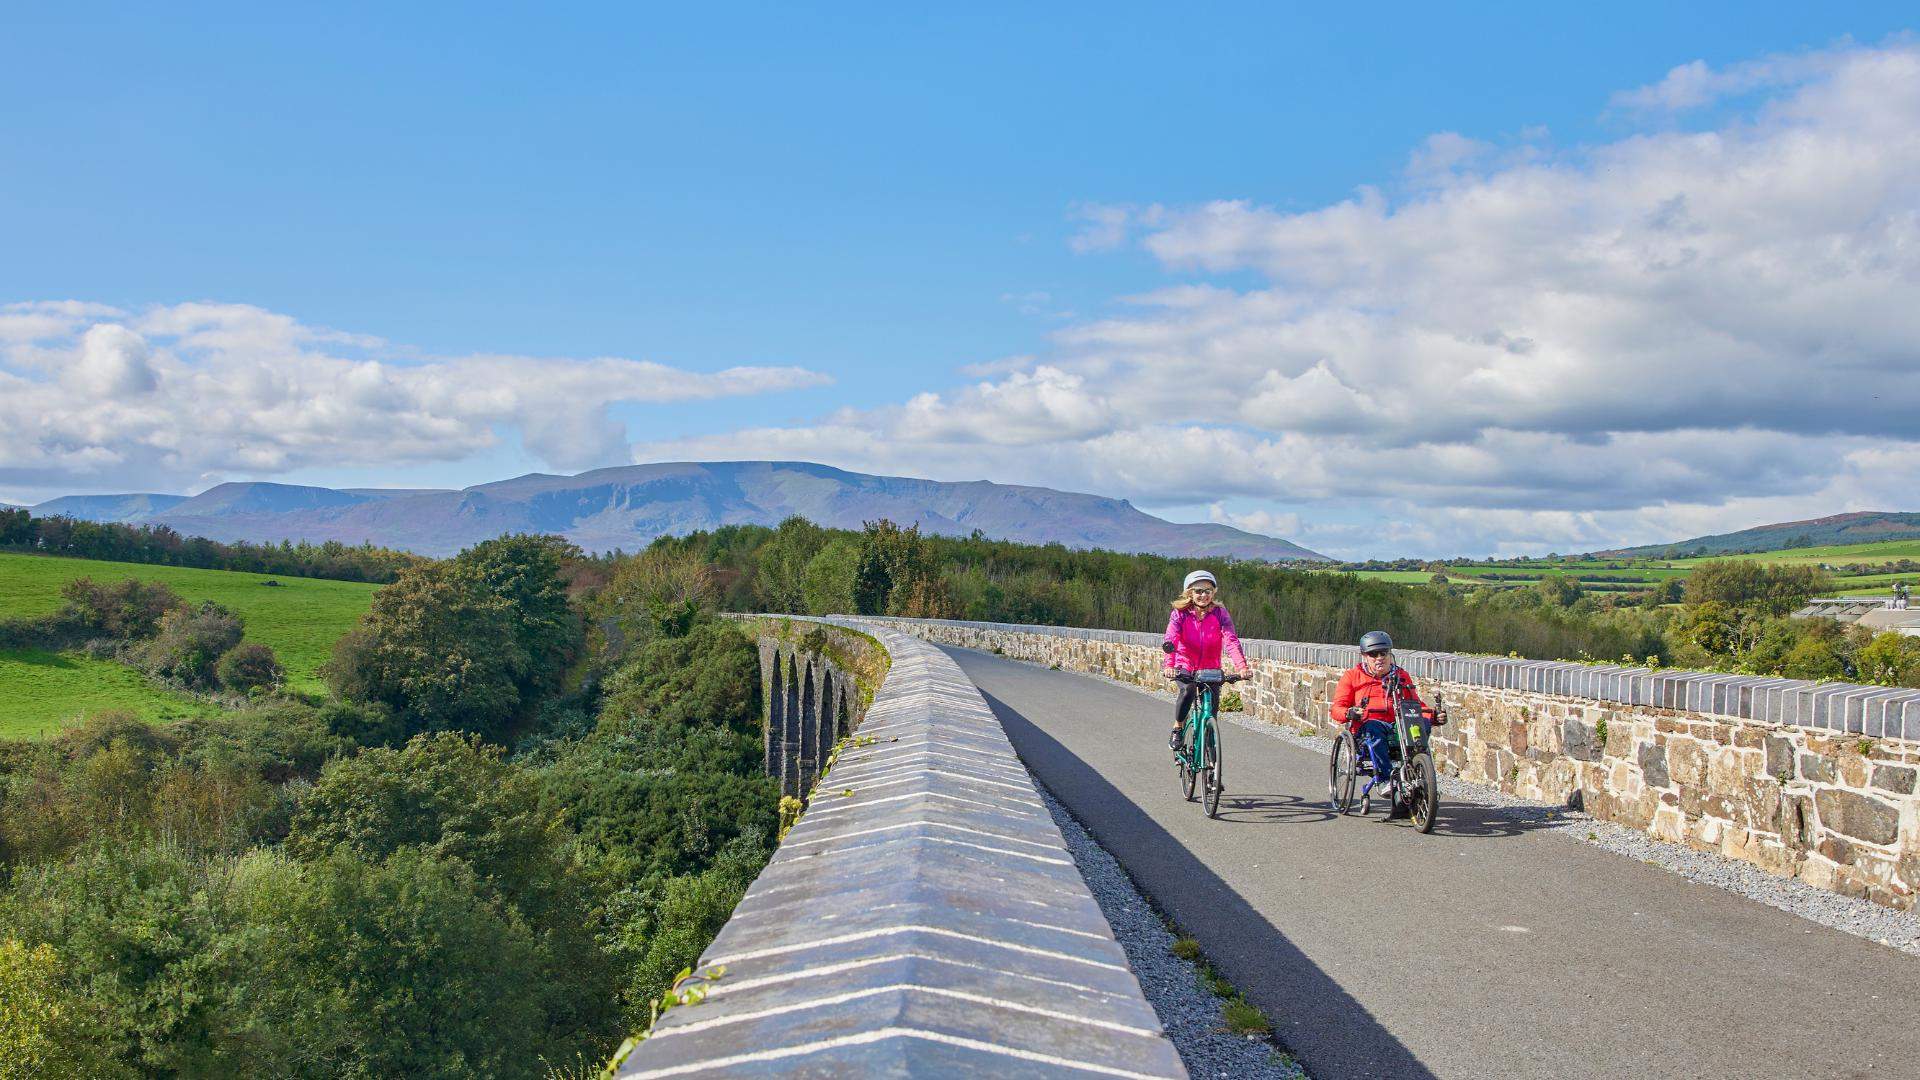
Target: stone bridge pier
x=811 y=693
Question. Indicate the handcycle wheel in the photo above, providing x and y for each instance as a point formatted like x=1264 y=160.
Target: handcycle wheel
x=1343 y=769
x=1210 y=766
x=1423 y=803
x=1184 y=764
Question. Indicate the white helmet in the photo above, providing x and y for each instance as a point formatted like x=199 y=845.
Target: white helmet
x=1199 y=576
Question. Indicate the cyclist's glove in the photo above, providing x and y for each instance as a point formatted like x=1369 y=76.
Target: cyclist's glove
x=1355 y=714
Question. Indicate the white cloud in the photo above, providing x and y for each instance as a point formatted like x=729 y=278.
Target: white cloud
x=91 y=396
x=1695 y=84
x=1672 y=332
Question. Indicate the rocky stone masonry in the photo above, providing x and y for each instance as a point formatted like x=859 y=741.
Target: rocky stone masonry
x=811 y=680
x=923 y=918
x=1810 y=780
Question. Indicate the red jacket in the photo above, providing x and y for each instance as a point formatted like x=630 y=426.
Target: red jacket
x=1357 y=684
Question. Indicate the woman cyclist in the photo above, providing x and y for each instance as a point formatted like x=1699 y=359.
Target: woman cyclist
x=1197 y=632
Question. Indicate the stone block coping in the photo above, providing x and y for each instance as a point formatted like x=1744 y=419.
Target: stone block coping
x=1843 y=708
x=922 y=918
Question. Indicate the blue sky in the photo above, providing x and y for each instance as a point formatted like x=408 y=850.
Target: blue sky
x=884 y=198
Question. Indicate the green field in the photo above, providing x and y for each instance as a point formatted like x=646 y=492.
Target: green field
x=42 y=692
x=1838 y=554
x=1613 y=575
x=300 y=620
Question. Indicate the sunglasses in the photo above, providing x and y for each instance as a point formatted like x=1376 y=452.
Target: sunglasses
x=1201 y=592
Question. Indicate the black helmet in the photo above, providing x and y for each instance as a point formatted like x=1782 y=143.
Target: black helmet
x=1374 y=641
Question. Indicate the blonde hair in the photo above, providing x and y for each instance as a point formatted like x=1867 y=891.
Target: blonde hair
x=1184 y=601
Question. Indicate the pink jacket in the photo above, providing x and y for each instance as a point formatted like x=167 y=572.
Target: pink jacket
x=1198 y=639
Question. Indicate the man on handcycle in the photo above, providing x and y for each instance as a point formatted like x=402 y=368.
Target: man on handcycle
x=1364 y=703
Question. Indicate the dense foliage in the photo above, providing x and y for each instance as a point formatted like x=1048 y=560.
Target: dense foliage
x=469 y=644
x=802 y=568
x=1727 y=615
x=20 y=530
x=375 y=885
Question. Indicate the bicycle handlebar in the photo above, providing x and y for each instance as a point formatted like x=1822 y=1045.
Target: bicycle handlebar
x=1185 y=676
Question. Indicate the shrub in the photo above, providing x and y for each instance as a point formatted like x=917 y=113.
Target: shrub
x=1890 y=659
x=190 y=642
x=124 y=610
x=46 y=1027
x=249 y=665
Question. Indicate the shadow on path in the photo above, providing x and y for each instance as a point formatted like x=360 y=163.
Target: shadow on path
x=1332 y=1034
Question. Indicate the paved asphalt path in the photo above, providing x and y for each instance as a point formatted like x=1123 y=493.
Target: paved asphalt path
x=1482 y=950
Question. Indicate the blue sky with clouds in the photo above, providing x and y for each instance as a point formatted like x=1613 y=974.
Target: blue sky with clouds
x=442 y=246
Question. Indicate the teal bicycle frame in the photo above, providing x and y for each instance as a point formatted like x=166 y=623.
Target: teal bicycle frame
x=1198 y=758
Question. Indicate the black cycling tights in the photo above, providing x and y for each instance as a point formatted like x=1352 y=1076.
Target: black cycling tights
x=1188 y=693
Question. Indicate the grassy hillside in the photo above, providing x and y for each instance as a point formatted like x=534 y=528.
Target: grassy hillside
x=1833 y=554
x=1856 y=568
x=299 y=619
x=42 y=692
x=1857 y=528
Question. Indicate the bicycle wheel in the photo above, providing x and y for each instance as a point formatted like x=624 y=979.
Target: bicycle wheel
x=1423 y=802
x=1342 y=771
x=1214 y=771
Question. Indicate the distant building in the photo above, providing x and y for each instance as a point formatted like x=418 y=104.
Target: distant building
x=1899 y=620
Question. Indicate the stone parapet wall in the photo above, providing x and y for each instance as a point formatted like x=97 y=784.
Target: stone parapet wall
x=923 y=918
x=1809 y=780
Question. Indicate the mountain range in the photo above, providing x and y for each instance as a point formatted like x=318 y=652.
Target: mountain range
x=1859 y=527
x=628 y=506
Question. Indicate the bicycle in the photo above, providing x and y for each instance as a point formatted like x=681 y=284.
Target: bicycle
x=1197 y=759
x=1414 y=781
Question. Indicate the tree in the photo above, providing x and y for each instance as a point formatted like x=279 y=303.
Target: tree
x=526 y=574
x=1775 y=590
x=660 y=591
x=388 y=967
x=152 y=936
x=894 y=570
x=439 y=650
x=784 y=560
x=829 y=577
x=1559 y=590
x=459 y=801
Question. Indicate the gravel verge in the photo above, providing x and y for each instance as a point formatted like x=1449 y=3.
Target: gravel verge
x=1862 y=918
x=1191 y=1014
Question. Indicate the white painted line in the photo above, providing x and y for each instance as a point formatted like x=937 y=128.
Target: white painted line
x=867 y=1038
x=734 y=986
x=933 y=840
x=910 y=928
x=875 y=991
x=844 y=806
x=935 y=825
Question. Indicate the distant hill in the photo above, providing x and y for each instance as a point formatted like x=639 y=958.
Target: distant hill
x=1860 y=527
x=627 y=507
x=126 y=509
